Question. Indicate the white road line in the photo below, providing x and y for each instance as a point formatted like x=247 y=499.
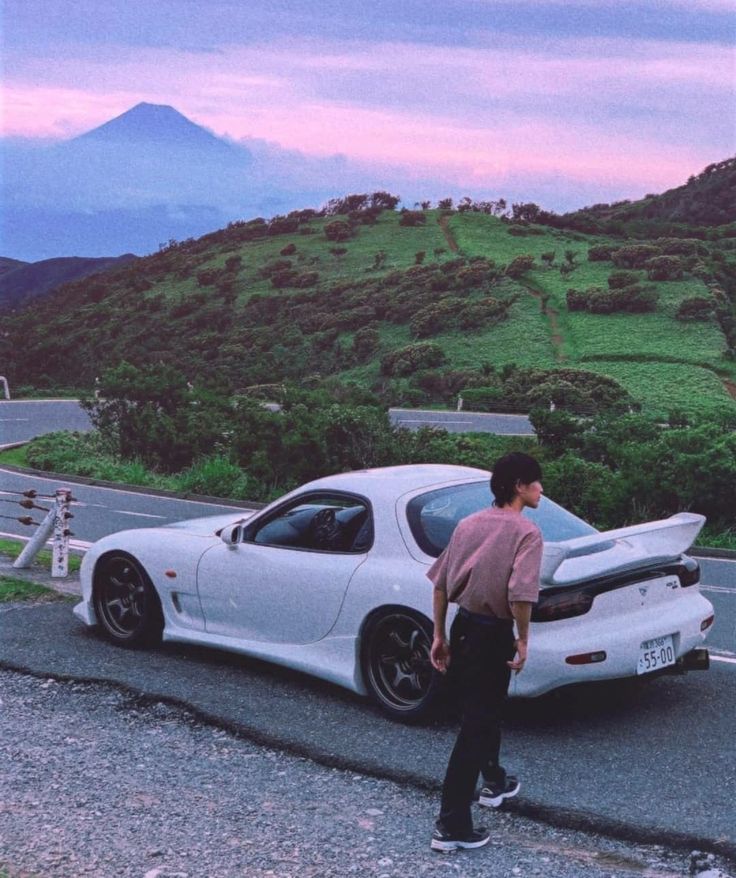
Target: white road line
x=723 y=658
x=138 y=514
x=74 y=544
x=721 y=589
x=14 y=419
x=121 y=490
x=429 y=423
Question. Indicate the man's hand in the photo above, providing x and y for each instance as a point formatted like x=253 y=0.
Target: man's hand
x=519 y=661
x=440 y=654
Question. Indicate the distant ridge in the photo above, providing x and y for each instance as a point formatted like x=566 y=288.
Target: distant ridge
x=29 y=280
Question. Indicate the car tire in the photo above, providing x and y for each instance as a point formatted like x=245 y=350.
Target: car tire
x=396 y=666
x=126 y=603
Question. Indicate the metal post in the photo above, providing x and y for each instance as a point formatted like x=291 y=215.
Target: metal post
x=60 y=551
x=37 y=541
x=4 y=382
x=459 y=403
x=56 y=523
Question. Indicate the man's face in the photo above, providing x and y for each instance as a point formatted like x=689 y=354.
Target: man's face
x=531 y=494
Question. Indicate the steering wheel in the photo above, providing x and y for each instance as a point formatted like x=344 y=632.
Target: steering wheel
x=324 y=528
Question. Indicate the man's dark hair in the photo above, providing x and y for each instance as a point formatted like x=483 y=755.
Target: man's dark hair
x=508 y=471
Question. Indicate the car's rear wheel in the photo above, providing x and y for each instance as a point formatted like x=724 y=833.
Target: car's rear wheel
x=126 y=603
x=395 y=659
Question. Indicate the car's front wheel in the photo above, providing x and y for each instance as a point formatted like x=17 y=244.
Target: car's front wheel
x=395 y=659
x=126 y=603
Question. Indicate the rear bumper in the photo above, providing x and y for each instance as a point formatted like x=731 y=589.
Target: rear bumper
x=620 y=637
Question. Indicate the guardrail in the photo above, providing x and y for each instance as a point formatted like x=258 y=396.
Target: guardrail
x=54 y=525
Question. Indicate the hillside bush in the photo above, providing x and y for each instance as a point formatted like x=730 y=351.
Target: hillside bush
x=412 y=218
x=411 y=358
x=696 y=308
x=601 y=253
x=520 y=265
x=634 y=255
x=619 y=279
x=664 y=268
x=633 y=299
x=339 y=230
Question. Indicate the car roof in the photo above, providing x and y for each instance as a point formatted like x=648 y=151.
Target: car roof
x=399 y=480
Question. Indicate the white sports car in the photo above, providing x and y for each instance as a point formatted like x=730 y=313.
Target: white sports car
x=331 y=580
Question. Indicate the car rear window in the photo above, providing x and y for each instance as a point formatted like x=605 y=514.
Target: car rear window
x=433 y=516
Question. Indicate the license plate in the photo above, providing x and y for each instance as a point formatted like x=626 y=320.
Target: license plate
x=656 y=654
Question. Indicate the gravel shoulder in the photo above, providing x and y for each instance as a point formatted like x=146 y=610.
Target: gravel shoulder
x=98 y=782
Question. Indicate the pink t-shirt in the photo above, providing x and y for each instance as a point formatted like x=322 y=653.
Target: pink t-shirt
x=492 y=559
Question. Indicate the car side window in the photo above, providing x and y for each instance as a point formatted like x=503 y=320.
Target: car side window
x=319 y=522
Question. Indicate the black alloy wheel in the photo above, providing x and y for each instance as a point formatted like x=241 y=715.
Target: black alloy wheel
x=126 y=602
x=396 y=664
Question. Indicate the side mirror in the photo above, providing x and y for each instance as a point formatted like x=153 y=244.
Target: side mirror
x=232 y=535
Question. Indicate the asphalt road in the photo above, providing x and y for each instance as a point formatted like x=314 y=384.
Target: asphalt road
x=23 y=419
x=650 y=760
x=647 y=758
x=462 y=422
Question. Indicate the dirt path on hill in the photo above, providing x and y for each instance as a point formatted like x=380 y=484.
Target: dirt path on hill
x=444 y=224
x=730 y=387
x=551 y=314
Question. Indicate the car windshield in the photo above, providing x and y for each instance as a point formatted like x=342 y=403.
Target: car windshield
x=433 y=516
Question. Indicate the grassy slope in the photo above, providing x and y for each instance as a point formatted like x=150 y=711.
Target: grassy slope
x=669 y=364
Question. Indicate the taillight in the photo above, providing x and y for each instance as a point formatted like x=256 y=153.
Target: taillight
x=706 y=623
x=688 y=572
x=562 y=605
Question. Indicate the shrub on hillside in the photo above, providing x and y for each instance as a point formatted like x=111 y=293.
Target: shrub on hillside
x=520 y=265
x=435 y=318
x=411 y=358
x=289 y=250
x=664 y=268
x=696 y=308
x=619 y=279
x=601 y=253
x=482 y=313
x=629 y=299
x=412 y=218
x=339 y=230
x=366 y=342
x=634 y=255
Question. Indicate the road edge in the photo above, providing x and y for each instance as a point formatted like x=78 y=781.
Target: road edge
x=559 y=818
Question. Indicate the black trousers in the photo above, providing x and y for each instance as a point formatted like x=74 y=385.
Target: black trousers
x=479 y=676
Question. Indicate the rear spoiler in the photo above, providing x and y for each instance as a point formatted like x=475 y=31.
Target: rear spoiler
x=625 y=548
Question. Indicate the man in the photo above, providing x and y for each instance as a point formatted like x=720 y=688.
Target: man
x=490 y=568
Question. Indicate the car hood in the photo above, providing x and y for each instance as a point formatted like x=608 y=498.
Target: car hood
x=614 y=551
x=210 y=524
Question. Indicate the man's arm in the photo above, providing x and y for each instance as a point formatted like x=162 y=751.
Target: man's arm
x=522 y=613
x=440 y=654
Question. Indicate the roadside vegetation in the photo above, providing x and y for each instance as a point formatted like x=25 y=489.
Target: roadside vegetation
x=12 y=548
x=611 y=467
x=12 y=590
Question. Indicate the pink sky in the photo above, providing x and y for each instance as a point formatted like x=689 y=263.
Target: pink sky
x=632 y=115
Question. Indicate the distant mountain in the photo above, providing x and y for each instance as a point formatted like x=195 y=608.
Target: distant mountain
x=155 y=124
x=28 y=281
x=145 y=177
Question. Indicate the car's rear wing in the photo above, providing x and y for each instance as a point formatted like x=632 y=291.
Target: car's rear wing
x=617 y=550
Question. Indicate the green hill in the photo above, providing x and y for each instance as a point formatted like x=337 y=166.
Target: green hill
x=415 y=306
x=707 y=200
